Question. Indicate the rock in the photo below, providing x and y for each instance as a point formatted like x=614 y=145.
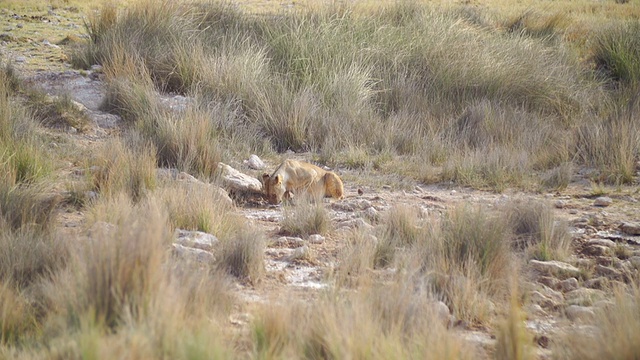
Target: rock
x=372 y=214
x=255 y=163
x=541 y=300
x=567 y=285
x=535 y=309
x=20 y=59
x=630 y=228
x=289 y=241
x=104 y=120
x=579 y=313
x=316 y=239
x=192 y=254
x=609 y=272
x=601 y=242
x=555 y=268
x=560 y=204
x=355 y=223
x=303 y=252
x=596 y=250
x=548 y=281
x=350 y=206
x=195 y=239
x=597 y=283
x=441 y=310
x=603 y=201
x=548 y=292
x=635 y=261
x=584 y=296
x=236 y=181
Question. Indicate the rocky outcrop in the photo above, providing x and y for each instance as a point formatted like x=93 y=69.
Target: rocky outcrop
x=237 y=182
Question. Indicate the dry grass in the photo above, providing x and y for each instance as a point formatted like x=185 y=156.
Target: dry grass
x=537 y=230
x=615 y=329
x=305 y=216
x=119 y=167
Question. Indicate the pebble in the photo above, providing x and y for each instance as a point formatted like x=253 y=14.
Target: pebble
x=630 y=228
x=603 y=201
x=316 y=239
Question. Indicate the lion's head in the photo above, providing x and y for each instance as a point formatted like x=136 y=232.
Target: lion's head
x=273 y=187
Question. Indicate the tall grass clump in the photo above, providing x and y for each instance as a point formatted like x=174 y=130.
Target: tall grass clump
x=193 y=206
x=616 y=52
x=305 y=216
x=513 y=339
x=122 y=267
x=242 y=253
x=612 y=146
x=536 y=229
x=117 y=167
x=617 y=326
x=376 y=322
x=401 y=229
x=330 y=79
x=468 y=261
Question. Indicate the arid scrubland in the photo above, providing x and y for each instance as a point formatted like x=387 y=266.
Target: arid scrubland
x=485 y=97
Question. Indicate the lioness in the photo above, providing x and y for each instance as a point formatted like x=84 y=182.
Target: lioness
x=296 y=176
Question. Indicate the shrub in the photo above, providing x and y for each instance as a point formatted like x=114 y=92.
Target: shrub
x=305 y=216
x=616 y=52
x=242 y=254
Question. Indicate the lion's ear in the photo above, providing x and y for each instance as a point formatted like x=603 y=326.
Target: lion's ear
x=278 y=179
x=265 y=177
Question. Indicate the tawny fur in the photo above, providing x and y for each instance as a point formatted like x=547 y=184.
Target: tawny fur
x=294 y=176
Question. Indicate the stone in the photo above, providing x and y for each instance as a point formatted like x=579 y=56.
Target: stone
x=192 y=254
x=195 y=239
x=443 y=313
x=303 y=252
x=584 y=296
x=629 y=228
x=255 y=163
x=20 y=59
x=635 y=261
x=289 y=241
x=105 y=120
x=555 y=268
x=560 y=204
x=358 y=223
x=548 y=281
x=234 y=180
x=579 y=313
x=603 y=201
x=608 y=272
x=596 y=250
x=535 y=309
x=602 y=242
x=597 y=283
x=372 y=214
x=567 y=285
x=541 y=300
x=316 y=239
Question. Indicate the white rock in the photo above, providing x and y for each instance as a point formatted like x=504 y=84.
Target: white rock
x=635 y=261
x=316 y=239
x=601 y=242
x=584 y=296
x=255 y=163
x=556 y=268
x=237 y=181
x=289 y=240
x=193 y=254
x=300 y=253
x=195 y=239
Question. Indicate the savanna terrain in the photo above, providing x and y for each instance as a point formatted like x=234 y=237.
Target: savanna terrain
x=490 y=152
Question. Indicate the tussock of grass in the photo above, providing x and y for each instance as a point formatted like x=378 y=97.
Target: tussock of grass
x=375 y=323
x=468 y=261
x=536 y=229
x=616 y=326
x=401 y=230
x=17 y=317
x=118 y=168
x=305 y=216
x=195 y=207
x=242 y=254
x=616 y=52
x=513 y=339
x=122 y=276
x=333 y=79
x=57 y=112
